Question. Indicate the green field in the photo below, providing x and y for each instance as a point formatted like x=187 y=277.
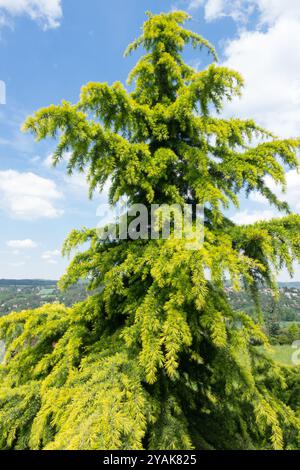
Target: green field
x=282 y=354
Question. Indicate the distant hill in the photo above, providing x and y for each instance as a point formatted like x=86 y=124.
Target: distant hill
x=45 y=282
x=289 y=285
x=295 y=285
x=26 y=282
x=17 y=295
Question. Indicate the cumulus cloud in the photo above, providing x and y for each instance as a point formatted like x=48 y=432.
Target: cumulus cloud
x=271 y=73
x=21 y=244
x=268 y=11
x=47 y=12
x=264 y=52
x=51 y=256
x=291 y=195
x=76 y=181
x=48 y=162
x=239 y=10
x=247 y=217
x=28 y=196
x=76 y=186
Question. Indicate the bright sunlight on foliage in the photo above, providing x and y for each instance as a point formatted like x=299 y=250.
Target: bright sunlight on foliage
x=158 y=359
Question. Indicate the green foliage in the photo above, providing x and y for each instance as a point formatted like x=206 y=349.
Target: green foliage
x=158 y=359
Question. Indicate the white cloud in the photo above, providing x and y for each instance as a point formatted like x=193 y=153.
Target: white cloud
x=273 y=10
x=213 y=9
x=21 y=244
x=291 y=196
x=28 y=196
x=48 y=162
x=269 y=11
x=264 y=52
x=76 y=180
x=47 y=12
x=250 y=217
x=51 y=256
x=271 y=73
x=75 y=184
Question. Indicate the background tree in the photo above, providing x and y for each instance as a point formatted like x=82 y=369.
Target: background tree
x=158 y=359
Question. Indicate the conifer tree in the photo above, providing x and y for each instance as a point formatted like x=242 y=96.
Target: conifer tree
x=158 y=359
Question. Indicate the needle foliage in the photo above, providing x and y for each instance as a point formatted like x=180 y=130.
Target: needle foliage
x=158 y=359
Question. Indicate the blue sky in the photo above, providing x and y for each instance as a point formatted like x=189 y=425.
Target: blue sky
x=50 y=48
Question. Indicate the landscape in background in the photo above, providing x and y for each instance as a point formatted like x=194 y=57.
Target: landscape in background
x=18 y=295
x=282 y=316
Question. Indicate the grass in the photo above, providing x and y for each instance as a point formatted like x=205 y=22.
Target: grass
x=283 y=354
x=284 y=324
